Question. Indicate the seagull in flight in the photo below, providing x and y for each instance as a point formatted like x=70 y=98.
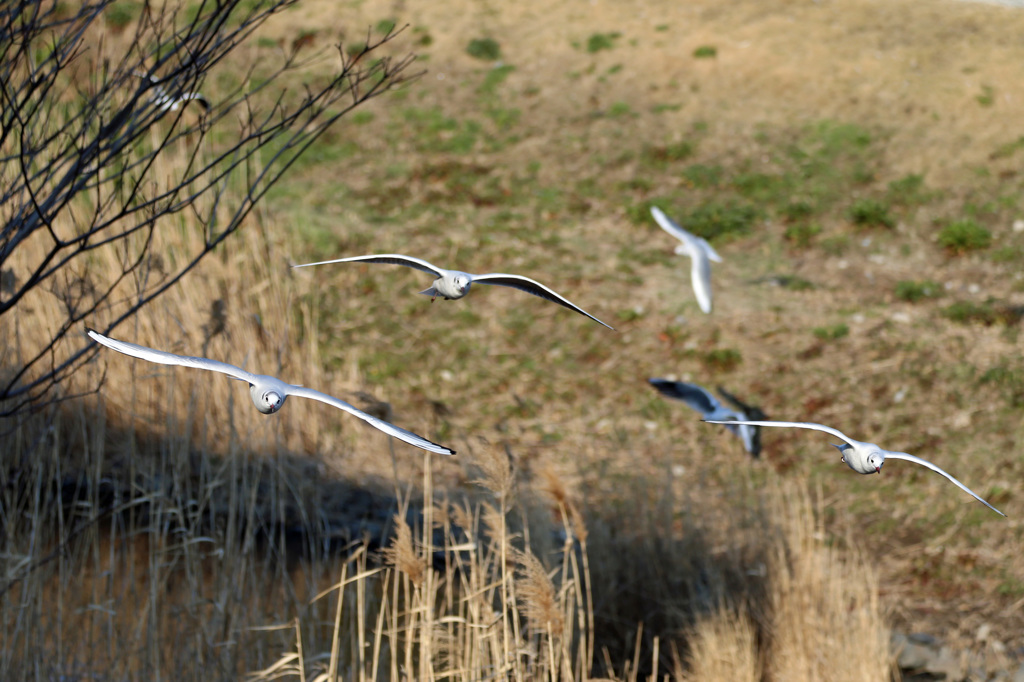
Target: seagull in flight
x=701 y=400
x=864 y=458
x=700 y=252
x=268 y=393
x=453 y=284
x=167 y=102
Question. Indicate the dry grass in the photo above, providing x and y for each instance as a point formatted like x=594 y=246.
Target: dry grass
x=652 y=539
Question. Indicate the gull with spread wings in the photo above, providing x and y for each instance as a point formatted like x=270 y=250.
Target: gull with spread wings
x=712 y=410
x=167 y=102
x=700 y=252
x=864 y=458
x=268 y=393
x=453 y=284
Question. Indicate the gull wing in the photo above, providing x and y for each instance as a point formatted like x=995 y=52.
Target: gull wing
x=928 y=465
x=700 y=253
x=388 y=428
x=388 y=258
x=700 y=280
x=186 y=97
x=689 y=240
x=796 y=425
x=708 y=249
x=164 y=358
x=751 y=411
x=531 y=287
x=671 y=226
x=696 y=397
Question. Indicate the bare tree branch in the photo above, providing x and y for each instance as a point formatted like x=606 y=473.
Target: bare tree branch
x=81 y=135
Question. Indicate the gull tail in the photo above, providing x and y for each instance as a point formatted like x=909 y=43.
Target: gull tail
x=431 y=292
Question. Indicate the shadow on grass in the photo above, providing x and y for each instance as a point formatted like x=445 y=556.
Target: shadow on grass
x=132 y=555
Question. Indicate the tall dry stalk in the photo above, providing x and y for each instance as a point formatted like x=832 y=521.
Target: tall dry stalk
x=723 y=646
x=824 y=604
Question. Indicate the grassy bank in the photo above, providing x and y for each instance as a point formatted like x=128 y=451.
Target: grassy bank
x=856 y=165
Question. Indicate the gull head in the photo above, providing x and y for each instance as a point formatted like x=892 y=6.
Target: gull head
x=462 y=282
x=267 y=401
x=875 y=461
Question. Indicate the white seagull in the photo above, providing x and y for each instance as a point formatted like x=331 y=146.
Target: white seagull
x=864 y=458
x=167 y=102
x=268 y=393
x=453 y=284
x=701 y=400
x=700 y=252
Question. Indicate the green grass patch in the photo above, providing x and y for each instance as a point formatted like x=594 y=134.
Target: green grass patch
x=423 y=37
x=432 y=131
x=362 y=117
x=1011 y=253
x=722 y=359
x=836 y=244
x=987 y=313
x=486 y=49
x=763 y=188
x=494 y=78
x=713 y=220
x=871 y=213
x=801 y=235
x=987 y=97
x=797 y=210
x=702 y=176
x=660 y=157
x=705 y=52
x=831 y=332
x=1010 y=381
x=962 y=236
x=909 y=190
x=619 y=109
x=602 y=41
x=1008 y=149
x=913 y=291
x=794 y=283
x=119 y=14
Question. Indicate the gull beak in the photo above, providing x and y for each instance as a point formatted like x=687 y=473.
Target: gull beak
x=878 y=470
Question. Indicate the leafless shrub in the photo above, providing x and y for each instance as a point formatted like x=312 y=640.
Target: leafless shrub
x=86 y=118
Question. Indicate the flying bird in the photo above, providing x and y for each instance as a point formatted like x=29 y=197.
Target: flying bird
x=864 y=458
x=167 y=102
x=701 y=400
x=453 y=284
x=700 y=252
x=268 y=393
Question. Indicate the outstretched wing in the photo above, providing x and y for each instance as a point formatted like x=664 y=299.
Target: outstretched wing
x=751 y=411
x=691 y=242
x=928 y=465
x=164 y=358
x=531 y=287
x=696 y=397
x=169 y=102
x=388 y=258
x=796 y=425
x=700 y=280
x=388 y=428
